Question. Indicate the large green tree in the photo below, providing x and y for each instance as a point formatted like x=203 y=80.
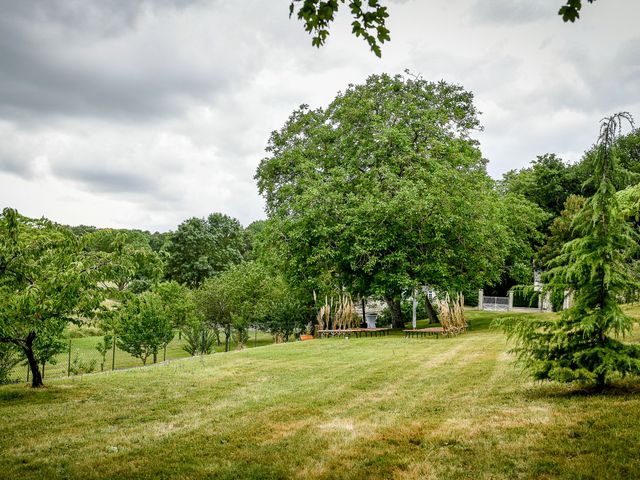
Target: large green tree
x=201 y=247
x=47 y=280
x=585 y=344
x=384 y=190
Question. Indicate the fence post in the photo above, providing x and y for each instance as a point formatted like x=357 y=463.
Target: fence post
x=69 y=360
x=113 y=355
x=480 y=299
x=510 y=306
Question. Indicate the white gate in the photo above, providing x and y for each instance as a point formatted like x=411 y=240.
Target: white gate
x=496 y=304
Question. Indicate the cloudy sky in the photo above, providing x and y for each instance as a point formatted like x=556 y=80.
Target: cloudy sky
x=134 y=113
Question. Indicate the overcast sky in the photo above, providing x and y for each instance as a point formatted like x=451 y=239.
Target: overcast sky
x=140 y=114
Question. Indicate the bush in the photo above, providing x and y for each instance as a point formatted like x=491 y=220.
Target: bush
x=199 y=339
x=79 y=366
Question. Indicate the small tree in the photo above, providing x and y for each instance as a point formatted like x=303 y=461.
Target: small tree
x=144 y=327
x=46 y=281
x=178 y=302
x=584 y=345
x=103 y=348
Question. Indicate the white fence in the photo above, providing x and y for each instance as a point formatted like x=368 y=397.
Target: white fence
x=496 y=304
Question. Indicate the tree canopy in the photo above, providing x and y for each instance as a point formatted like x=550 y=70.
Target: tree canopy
x=201 y=247
x=384 y=190
x=47 y=280
x=145 y=326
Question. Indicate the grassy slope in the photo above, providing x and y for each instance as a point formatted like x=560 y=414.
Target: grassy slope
x=358 y=408
x=85 y=348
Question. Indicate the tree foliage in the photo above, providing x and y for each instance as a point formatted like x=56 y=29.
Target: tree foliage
x=202 y=247
x=384 y=190
x=144 y=328
x=251 y=294
x=369 y=18
x=547 y=182
x=47 y=279
x=560 y=232
x=178 y=302
x=570 y=12
x=584 y=345
x=137 y=267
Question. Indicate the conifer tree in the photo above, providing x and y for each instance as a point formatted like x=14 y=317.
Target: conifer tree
x=595 y=267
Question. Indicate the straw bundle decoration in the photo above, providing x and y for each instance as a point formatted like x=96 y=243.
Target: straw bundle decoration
x=324 y=316
x=346 y=316
x=452 y=314
x=343 y=316
x=457 y=313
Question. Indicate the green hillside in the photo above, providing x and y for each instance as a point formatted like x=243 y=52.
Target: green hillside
x=383 y=407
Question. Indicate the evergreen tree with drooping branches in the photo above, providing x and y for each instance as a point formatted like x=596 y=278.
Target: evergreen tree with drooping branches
x=595 y=266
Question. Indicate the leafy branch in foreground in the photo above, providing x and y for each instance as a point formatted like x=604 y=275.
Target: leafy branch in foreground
x=571 y=11
x=585 y=344
x=369 y=18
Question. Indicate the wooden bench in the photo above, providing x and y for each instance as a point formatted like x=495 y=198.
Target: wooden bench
x=421 y=332
x=437 y=331
x=358 y=332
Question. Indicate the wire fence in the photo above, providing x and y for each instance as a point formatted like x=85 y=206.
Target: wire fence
x=87 y=355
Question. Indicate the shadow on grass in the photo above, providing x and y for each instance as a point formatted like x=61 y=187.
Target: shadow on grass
x=620 y=388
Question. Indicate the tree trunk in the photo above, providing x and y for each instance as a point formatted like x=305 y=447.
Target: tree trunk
x=155 y=357
x=396 y=312
x=27 y=348
x=227 y=337
x=431 y=312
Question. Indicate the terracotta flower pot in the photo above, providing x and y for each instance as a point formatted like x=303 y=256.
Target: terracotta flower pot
x=306 y=337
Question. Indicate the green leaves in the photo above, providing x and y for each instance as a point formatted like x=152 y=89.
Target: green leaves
x=571 y=11
x=145 y=326
x=384 y=190
x=202 y=247
x=594 y=267
x=46 y=281
x=369 y=23
x=370 y=19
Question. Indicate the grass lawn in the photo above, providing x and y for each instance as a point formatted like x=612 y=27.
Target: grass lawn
x=384 y=407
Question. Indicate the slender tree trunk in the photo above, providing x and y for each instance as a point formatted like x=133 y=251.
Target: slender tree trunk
x=396 y=312
x=227 y=335
x=155 y=357
x=363 y=324
x=431 y=312
x=27 y=348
